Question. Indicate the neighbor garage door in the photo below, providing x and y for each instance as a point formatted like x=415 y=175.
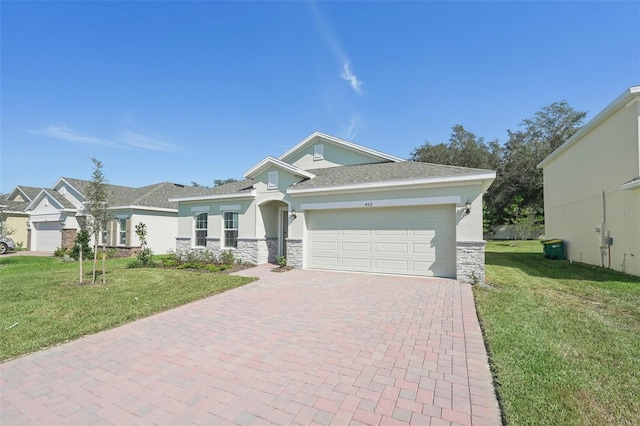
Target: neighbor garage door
x=48 y=236
x=407 y=240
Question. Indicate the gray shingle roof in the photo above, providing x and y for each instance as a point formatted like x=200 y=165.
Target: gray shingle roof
x=383 y=172
x=156 y=195
x=30 y=191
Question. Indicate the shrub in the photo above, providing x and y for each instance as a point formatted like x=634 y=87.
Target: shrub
x=281 y=261
x=227 y=258
x=134 y=263
x=60 y=252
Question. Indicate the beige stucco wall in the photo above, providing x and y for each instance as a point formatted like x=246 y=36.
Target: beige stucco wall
x=574 y=182
x=18 y=222
x=161 y=229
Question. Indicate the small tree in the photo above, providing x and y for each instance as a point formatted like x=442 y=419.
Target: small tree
x=82 y=241
x=5 y=229
x=146 y=255
x=97 y=204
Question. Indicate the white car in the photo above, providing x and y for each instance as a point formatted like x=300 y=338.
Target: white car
x=6 y=244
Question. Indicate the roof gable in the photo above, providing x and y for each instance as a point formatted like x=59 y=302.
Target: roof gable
x=335 y=152
x=54 y=199
x=270 y=162
x=625 y=100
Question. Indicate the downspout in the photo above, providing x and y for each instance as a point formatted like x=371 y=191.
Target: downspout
x=604 y=223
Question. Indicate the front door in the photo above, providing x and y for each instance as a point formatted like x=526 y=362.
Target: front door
x=284 y=232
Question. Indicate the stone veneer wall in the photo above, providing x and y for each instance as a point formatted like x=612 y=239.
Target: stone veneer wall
x=182 y=244
x=29 y=239
x=247 y=250
x=470 y=261
x=295 y=253
x=68 y=238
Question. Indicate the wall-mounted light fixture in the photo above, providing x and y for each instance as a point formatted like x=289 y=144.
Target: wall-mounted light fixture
x=293 y=214
x=467 y=207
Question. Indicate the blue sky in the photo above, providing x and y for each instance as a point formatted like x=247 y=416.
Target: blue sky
x=197 y=91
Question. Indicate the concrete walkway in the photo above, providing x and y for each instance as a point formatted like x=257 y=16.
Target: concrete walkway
x=301 y=347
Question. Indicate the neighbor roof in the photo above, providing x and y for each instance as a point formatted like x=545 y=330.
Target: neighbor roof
x=155 y=196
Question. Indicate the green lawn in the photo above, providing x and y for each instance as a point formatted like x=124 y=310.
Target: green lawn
x=563 y=339
x=40 y=294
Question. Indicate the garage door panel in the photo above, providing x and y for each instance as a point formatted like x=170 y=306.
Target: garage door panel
x=392 y=248
x=407 y=240
x=355 y=263
x=357 y=247
x=325 y=246
x=392 y=266
x=325 y=261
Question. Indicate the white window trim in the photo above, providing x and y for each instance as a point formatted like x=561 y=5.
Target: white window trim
x=120 y=231
x=196 y=229
x=223 y=240
x=272 y=179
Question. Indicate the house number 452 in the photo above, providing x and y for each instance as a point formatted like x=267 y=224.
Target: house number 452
x=368 y=204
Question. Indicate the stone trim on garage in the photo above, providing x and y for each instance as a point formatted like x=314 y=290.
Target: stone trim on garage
x=295 y=253
x=470 y=261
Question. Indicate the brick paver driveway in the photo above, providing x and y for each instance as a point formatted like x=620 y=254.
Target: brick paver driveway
x=302 y=347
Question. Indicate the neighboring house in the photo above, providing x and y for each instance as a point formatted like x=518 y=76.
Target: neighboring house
x=331 y=204
x=14 y=206
x=592 y=188
x=57 y=213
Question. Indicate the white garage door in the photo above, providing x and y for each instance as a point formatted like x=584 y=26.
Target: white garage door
x=407 y=240
x=48 y=236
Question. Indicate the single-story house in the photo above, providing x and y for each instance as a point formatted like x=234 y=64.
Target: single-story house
x=331 y=204
x=56 y=214
x=592 y=188
x=13 y=207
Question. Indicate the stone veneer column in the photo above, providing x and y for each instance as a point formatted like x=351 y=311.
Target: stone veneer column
x=29 y=239
x=247 y=250
x=295 y=253
x=213 y=245
x=68 y=238
x=470 y=261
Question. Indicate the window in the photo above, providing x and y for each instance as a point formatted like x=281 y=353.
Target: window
x=201 y=229
x=230 y=229
x=123 y=232
x=318 y=152
x=272 y=180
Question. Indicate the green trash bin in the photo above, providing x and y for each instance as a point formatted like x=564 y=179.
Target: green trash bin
x=553 y=249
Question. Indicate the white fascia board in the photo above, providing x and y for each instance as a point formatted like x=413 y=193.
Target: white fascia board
x=621 y=101
x=342 y=142
x=39 y=197
x=395 y=184
x=215 y=197
x=51 y=217
x=135 y=207
x=270 y=161
x=399 y=202
x=17 y=188
x=634 y=184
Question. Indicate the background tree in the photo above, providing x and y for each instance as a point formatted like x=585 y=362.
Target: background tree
x=97 y=204
x=517 y=174
x=218 y=182
x=464 y=149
